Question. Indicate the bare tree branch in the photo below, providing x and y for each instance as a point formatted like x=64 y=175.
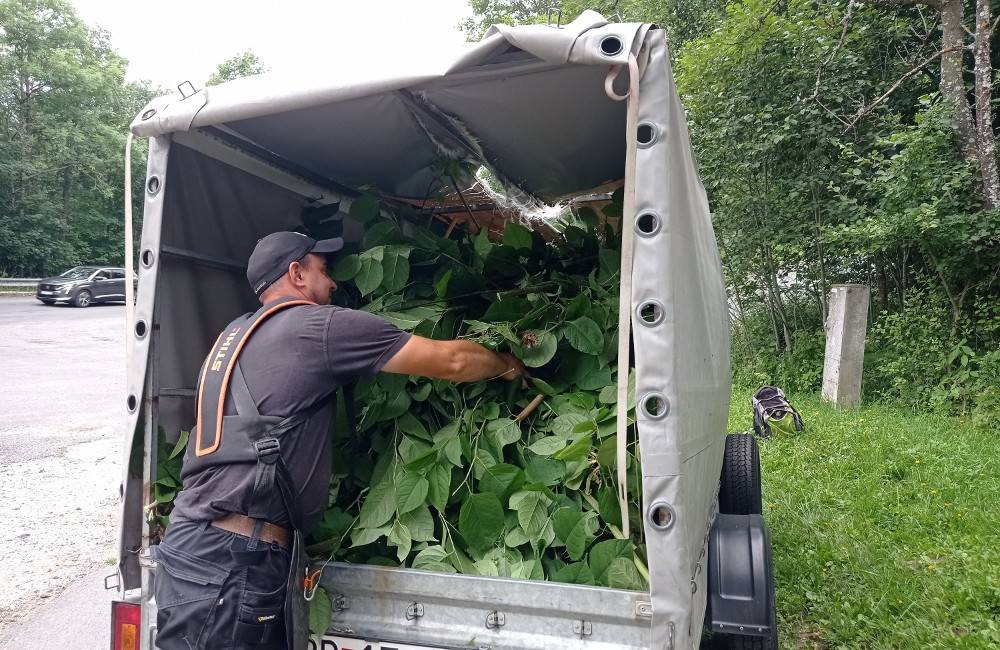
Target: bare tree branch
x=846 y=22
x=864 y=111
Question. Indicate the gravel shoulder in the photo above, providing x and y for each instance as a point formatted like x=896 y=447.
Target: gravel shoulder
x=61 y=391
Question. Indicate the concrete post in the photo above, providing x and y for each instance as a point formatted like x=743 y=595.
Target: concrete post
x=846 y=326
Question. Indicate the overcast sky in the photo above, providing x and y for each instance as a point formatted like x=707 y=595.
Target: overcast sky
x=168 y=43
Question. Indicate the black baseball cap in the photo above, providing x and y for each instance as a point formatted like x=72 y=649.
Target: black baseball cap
x=272 y=255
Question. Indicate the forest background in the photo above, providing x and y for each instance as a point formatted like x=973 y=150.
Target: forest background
x=840 y=142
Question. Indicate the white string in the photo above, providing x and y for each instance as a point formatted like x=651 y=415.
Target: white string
x=625 y=295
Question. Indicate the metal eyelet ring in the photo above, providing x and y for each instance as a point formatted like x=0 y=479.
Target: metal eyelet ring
x=140 y=329
x=650 y=313
x=148 y=114
x=661 y=516
x=132 y=403
x=146 y=258
x=611 y=45
x=654 y=406
x=646 y=135
x=153 y=185
x=647 y=224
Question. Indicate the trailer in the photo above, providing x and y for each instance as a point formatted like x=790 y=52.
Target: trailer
x=552 y=113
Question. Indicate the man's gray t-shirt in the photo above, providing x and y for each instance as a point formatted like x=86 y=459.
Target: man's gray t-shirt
x=295 y=359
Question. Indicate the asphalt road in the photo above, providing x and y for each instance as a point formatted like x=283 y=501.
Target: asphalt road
x=61 y=422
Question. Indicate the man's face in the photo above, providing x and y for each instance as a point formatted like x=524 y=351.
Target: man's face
x=319 y=286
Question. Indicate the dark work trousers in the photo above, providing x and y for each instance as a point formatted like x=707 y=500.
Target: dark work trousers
x=217 y=590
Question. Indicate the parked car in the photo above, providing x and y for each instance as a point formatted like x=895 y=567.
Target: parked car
x=84 y=285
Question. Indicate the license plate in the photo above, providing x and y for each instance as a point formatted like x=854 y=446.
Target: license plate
x=46 y=293
x=344 y=643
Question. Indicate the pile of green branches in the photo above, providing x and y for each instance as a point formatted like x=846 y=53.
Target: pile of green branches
x=446 y=477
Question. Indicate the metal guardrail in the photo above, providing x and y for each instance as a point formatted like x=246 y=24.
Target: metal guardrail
x=18 y=285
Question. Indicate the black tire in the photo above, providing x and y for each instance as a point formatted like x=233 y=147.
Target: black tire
x=83 y=298
x=739 y=490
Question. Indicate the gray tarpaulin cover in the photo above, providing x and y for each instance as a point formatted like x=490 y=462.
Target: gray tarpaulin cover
x=529 y=104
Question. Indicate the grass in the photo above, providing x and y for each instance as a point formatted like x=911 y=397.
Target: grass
x=885 y=526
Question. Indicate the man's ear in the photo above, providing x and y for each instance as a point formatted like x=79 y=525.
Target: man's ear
x=295 y=274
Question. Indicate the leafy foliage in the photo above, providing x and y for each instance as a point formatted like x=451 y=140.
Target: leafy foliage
x=64 y=110
x=244 y=64
x=441 y=475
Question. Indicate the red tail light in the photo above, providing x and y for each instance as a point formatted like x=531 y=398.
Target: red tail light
x=125 y=618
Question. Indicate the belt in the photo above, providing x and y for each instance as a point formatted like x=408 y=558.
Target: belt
x=243 y=525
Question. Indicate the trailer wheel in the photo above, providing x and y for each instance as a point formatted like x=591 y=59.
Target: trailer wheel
x=739 y=490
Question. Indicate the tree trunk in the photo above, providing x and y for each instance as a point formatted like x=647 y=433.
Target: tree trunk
x=985 y=145
x=952 y=73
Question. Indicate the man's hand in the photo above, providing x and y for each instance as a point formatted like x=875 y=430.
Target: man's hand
x=515 y=368
x=453 y=360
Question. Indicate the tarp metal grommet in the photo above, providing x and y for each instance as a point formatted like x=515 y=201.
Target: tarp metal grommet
x=661 y=516
x=657 y=401
x=646 y=135
x=643 y=315
x=647 y=224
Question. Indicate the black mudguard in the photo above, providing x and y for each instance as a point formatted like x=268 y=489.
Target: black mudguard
x=740 y=576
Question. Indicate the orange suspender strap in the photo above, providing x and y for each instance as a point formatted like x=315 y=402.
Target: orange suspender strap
x=226 y=350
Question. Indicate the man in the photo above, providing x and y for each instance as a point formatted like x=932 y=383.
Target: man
x=257 y=469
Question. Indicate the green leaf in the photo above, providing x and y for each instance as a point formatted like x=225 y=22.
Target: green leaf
x=441 y=286
x=482 y=244
x=369 y=276
x=453 y=451
x=607 y=503
x=541 y=352
x=180 y=445
x=420 y=524
x=504 y=431
x=571 y=527
x=502 y=480
x=532 y=511
x=395 y=270
x=584 y=335
x=578 y=307
x=543 y=386
x=609 y=263
x=412 y=449
x=381 y=233
x=517 y=236
x=510 y=309
x=548 y=445
x=576 y=451
x=623 y=574
x=379 y=505
x=407 y=320
x=544 y=471
x=480 y=520
x=320 y=610
x=439 y=486
x=563 y=425
x=411 y=492
x=365 y=536
x=334 y=525
x=346 y=268
x=399 y=536
x=515 y=537
x=409 y=423
x=433 y=558
x=364 y=207
x=603 y=553
x=576 y=573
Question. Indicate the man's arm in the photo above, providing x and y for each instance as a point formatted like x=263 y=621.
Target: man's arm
x=452 y=360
